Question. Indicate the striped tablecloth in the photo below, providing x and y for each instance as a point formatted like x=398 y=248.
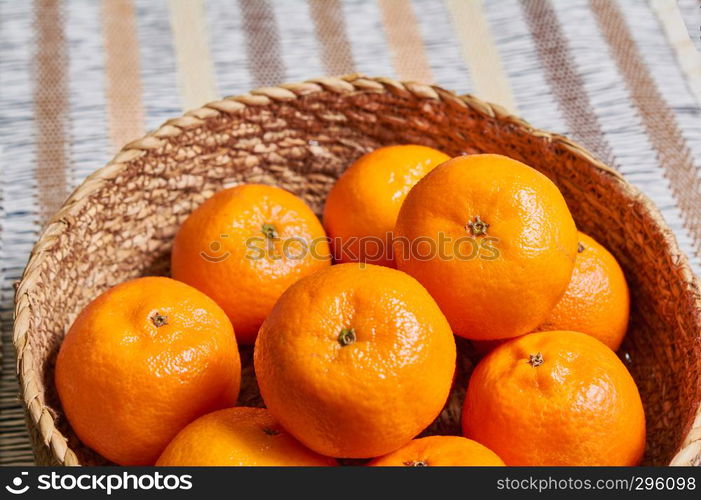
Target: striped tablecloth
x=80 y=78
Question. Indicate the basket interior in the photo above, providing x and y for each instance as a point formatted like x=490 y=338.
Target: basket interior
x=125 y=227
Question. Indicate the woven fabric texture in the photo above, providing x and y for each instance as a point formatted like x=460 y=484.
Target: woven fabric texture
x=81 y=78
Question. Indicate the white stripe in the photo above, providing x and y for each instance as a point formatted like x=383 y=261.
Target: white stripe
x=659 y=57
x=519 y=58
x=621 y=125
x=691 y=12
x=688 y=57
x=17 y=136
x=158 y=71
x=86 y=79
x=227 y=43
x=367 y=38
x=18 y=195
x=442 y=50
x=297 y=40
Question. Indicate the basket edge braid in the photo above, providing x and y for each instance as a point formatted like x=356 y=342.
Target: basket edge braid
x=40 y=417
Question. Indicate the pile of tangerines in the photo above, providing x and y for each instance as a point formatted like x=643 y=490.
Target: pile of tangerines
x=353 y=324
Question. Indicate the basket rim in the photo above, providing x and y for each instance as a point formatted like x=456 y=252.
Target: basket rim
x=41 y=417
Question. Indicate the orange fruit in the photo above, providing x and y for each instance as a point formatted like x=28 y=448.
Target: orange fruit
x=142 y=361
x=439 y=451
x=493 y=242
x=244 y=246
x=238 y=437
x=596 y=301
x=555 y=398
x=362 y=207
x=355 y=360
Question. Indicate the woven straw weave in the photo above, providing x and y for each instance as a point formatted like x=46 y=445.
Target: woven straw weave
x=120 y=222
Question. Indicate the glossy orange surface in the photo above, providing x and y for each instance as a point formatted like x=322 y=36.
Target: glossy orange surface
x=244 y=246
x=439 y=451
x=362 y=207
x=503 y=244
x=355 y=361
x=141 y=362
x=555 y=398
x=597 y=300
x=238 y=437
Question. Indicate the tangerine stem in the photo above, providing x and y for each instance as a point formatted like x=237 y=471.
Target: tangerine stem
x=346 y=337
x=535 y=359
x=269 y=231
x=159 y=319
x=415 y=463
x=478 y=227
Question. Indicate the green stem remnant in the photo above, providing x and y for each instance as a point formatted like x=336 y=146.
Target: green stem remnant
x=159 y=320
x=269 y=231
x=535 y=359
x=477 y=227
x=346 y=337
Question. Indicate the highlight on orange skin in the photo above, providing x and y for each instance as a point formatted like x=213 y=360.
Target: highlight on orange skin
x=481 y=198
x=244 y=246
x=140 y=362
x=597 y=300
x=361 y=208
x=355 y=360
x=557 y=398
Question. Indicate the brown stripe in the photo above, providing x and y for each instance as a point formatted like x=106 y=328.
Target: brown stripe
x=331 y=32
x=657 y=117
x=563 y=78
x=405 y=42
x=262 y=43
x=50 y=106
x=123 y=86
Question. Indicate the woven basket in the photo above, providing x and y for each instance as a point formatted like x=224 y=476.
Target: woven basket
x=120 y=222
